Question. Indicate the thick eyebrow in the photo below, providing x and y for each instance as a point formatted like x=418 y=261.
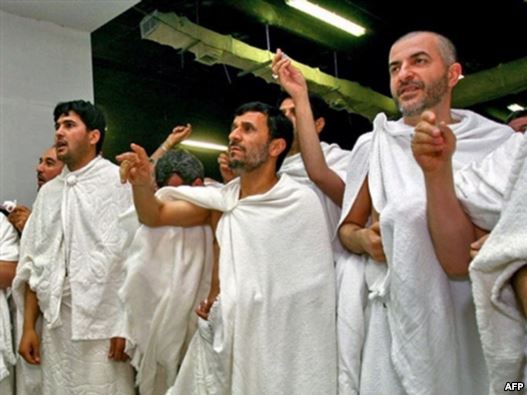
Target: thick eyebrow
x=412 y=56
x=244 y=124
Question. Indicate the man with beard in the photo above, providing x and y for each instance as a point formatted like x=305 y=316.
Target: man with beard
x=69 y=269
x=403 y=325
x=271 y=330
x=47 y=169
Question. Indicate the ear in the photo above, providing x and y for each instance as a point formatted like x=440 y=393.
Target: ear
x=276 y=147
x=454 y=72
x=319 y=124
x=198 y=182
x=94 y=136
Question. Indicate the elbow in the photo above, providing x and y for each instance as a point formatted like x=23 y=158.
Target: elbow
x=456 y=269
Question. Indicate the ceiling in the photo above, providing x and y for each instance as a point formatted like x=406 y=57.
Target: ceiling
x=487 y=35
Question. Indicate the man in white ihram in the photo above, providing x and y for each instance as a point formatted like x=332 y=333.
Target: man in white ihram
x=272 y=329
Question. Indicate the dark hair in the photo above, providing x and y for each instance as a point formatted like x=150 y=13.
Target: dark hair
x=516 y=114
x=319 y=107
x=92 y=117
x=181 y=162
x=280 y=127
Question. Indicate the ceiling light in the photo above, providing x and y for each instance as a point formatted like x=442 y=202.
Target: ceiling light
x=515 y=107
x=327 y=16
x=203 y=144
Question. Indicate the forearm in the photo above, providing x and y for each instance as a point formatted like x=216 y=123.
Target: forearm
x=159 y=152
x=519 y=283
x=31 y=309
x=7 y=273
x=147 y=205
x=314 y=161
x=450 y=227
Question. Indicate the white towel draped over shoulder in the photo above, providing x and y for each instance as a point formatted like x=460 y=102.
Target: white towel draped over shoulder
x=413 y=286
x=337 y=160
x=168 y=272
x=277 y=300
x=501 y=323
x=74 y=228
x=351 y=291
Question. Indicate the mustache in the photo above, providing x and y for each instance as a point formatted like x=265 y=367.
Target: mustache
x=414 y=84
x=236 y=145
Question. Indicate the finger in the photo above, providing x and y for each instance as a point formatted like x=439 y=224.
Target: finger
x=36 y=353
x=124 y=170
x=129 y=156
x=428 y=116
x=111 y=352
x=427 y=128
x=473 y=253
x=277 y=56
x=140 y=151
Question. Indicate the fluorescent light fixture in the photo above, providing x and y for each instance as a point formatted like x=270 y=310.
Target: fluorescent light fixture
x=327 y=16
x=515 y=107
x=203 y=144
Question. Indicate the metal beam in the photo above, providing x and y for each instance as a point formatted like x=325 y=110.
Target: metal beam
x=491 y=84
x=211 y=48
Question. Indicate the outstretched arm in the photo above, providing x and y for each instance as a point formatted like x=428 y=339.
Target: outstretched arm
x=450 y=227
x=317 y=169
x=151 y=211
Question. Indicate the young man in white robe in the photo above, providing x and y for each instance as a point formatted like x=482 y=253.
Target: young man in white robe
x=70 y=265
x=490 y=195
x=404 y=326
x=8 y=261
x=272 y=329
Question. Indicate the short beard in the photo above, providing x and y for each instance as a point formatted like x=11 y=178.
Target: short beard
x=434 y=93
x=251 y=162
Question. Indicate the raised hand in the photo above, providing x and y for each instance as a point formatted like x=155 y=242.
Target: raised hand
x=178 y=134
x=433 y=144
x=226 y=173
x=289 y=76
x=136 y=167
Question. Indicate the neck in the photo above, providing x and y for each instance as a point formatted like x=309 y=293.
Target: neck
x=80 y=163
x=258 y=181
x=441 y=111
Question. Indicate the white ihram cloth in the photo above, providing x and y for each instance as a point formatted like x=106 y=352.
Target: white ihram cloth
x=486 y=191
x=416 y=315
x=74 y=228
x=337 y=160
x=273 y=329
x=168 y=272
x=351 y=288
x=8 y=252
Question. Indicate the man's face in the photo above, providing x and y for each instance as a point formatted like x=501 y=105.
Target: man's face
x=418 y=74
x=72 y=139
x=519 y=124
x=48 y=167
x=288 y=109
x=248 y=142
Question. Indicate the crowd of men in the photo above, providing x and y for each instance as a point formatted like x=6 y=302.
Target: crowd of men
x=396 y=268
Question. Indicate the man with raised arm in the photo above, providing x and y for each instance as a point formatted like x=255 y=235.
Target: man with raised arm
x=488 y=195
x=272 y=329
x=69 y=269
x=415 y=329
